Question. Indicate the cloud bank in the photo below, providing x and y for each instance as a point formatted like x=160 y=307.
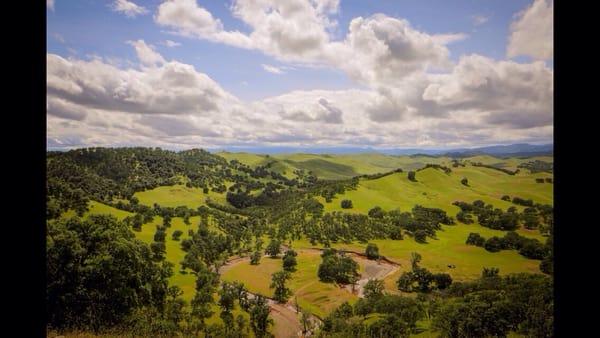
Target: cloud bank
x=412 y=93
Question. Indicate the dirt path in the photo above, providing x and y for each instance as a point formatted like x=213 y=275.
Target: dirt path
x=372 y=269
x=287 y=320
x=285 y=317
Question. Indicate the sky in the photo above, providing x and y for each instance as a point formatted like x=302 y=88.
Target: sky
x=299 y=73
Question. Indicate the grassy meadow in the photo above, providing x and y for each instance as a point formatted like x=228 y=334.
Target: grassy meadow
x=433 y=188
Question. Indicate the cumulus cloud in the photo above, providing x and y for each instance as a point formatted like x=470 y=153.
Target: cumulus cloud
x=173 y=88
x=383 y=50
x=376 y=48
x=188 y=19
x=291 y=30
x=64 y=109
x=506 y=92
x=532 y=32
x=403 y=104
x=128 y=8
x=272 y=69
x=147 y=55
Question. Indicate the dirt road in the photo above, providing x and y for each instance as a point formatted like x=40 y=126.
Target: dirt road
x=287 y=320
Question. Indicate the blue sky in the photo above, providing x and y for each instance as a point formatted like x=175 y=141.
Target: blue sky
x=78 y=29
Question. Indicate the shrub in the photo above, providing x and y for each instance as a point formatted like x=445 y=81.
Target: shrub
x=176 y=235
x=464 y=181
x=372 y=251
x=442 y=280
x=464 y=217
x=376 y=212
x=159 y=249
x=255 y=258
x=493 y=244
x=475 y=239
x=523 y=202
x=411 y=176
x=159 y=235
x=506 y=198
x=289 y=260
x=533 y=249
x=396 y=233
x=274 y=248
x=346 y=204
x=421 y=236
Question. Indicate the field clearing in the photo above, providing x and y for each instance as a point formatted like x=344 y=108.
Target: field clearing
x=97 y=208
x=313 y=295
x=178 y=195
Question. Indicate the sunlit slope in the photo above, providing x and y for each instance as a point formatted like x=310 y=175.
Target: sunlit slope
x=177 y=195
x=336 y=166
x=343 y=166
x=97 y=208
x=510 y=163
x=434 y=188
x=249 y=159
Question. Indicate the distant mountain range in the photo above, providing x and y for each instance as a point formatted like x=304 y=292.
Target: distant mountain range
x=520 y=149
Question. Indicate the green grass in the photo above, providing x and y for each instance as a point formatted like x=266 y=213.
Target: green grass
x=340 y=166
x=178 y=195
x=253 y=160
x=174 y=253
x=437 y=189
x=313 y=295
x=97 y=208
x=434 y=188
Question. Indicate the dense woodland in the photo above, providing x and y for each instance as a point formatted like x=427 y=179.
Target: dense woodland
x=102 y=279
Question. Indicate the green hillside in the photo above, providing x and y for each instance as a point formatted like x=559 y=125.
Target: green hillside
x=277 y=203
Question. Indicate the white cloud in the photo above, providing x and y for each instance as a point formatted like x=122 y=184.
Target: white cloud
x=50 y=4
x=173 y=88
x=171 y=104
x=445 y=39
x=532 y=32
x=171 y=44
x=376 y=48
x=381 y=50
x=500 y=92
x=272 y=69
x=128 y=8
x=479 y=19
x=188 y=19
x=147 y=55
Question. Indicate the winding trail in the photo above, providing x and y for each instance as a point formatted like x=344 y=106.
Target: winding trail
x=285 y=316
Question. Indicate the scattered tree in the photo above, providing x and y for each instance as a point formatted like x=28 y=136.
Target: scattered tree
x=346 y=204
x=274 y=248
x=372 y=251
x=278 y=280
x=176 y=234
x=289 y=260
